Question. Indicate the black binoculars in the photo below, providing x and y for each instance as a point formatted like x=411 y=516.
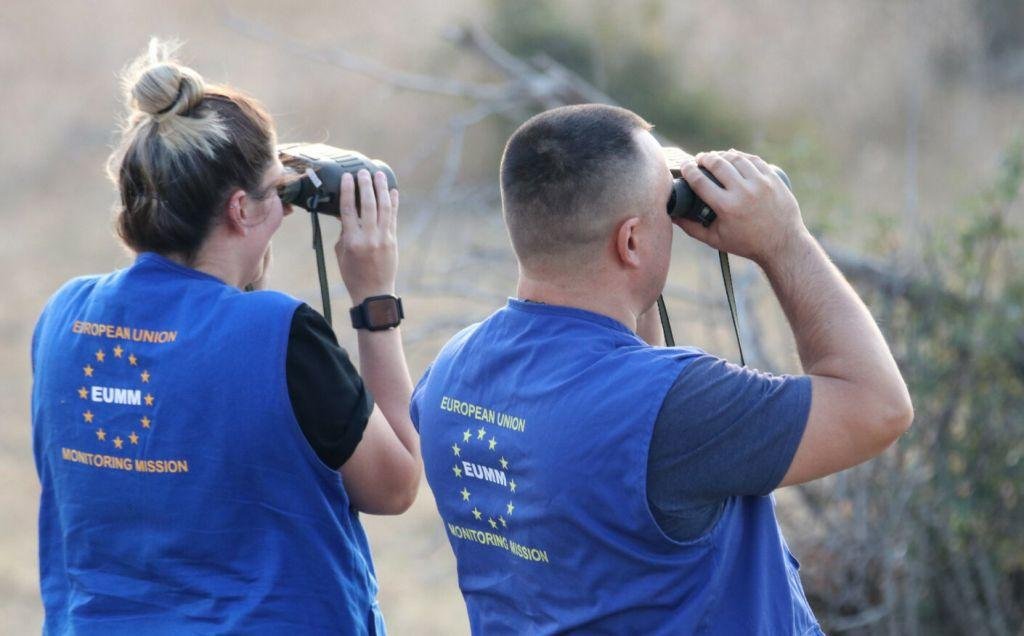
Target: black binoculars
x=316 y=175
x=684 y=203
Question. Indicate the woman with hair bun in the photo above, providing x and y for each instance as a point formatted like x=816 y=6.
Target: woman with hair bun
x=204 y=451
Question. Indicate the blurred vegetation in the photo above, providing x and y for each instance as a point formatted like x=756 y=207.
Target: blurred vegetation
x=926 y=539
x=965 y=363
x=637 y=71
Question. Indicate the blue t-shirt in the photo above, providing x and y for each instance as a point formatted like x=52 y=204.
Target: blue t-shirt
x=723 y=431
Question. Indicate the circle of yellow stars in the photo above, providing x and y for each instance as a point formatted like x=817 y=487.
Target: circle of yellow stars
x=480 y=435
x=83 y=393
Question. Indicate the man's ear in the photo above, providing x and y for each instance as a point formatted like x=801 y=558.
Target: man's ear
x=235 y=212
x=626 y=246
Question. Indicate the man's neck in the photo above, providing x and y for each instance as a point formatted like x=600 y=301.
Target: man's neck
x=592 y=296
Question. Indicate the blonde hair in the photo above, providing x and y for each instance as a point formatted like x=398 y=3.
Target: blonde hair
x=185 y=147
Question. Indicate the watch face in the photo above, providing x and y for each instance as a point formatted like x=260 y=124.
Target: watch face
x=383 y=311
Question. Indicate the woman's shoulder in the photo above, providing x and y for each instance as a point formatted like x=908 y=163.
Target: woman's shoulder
x=78 y=286
x=267 y=301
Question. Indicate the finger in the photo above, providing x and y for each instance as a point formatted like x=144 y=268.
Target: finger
x=743 y=166
x=759 y=163
x=367 y=200
x=705 y=188
x=394 y=210
x=721 y=168
x=349 y=218
x=380 y=185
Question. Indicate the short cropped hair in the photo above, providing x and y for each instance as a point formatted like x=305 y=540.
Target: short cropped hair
x=564 y=175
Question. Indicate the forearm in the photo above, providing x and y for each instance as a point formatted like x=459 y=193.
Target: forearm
x=835 y=333
x=384 y=370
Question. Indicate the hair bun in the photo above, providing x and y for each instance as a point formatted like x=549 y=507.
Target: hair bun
x=159 y=86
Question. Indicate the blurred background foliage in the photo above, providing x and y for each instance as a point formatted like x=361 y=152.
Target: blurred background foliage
x=635 y=67
x=900 y=124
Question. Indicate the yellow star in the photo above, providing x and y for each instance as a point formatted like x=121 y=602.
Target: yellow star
x=100 y=355
x=480 y=433
x=504 y=463
x=502 y=520
x=466 y=435
x=88 y=416
x=465 y=494
x=118 y=441
x=477 y=514
x=132 y=360
x=457 y=471
x=512 y=485
x=145 y=376
x=145 y=424
x=491 y=444
x=509 y=508
x=118 y=351
x=134 y=438
x=101 y=434
x=456 y=449
x=494 y=524
x=149 y=399
x=88 y=371
x=83 y=393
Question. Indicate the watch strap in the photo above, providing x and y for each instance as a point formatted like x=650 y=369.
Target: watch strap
x=362 y=316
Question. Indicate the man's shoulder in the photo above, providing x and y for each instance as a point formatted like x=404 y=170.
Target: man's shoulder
x=458 y=342
x=468 y=334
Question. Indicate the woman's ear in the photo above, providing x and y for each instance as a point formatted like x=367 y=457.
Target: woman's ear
x=235 y=212
x=626 y=246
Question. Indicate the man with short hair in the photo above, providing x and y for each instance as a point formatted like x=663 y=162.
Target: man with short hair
x=591 y=480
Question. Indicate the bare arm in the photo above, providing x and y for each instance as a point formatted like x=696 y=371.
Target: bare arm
x=860 y=404
x=382 y=476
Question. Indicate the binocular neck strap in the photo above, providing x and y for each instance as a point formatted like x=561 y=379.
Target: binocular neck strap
x=723 y=261
x=321 y=268
x=666 y=326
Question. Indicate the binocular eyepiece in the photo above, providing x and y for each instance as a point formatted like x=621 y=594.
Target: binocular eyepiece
x=318 y=189
x=684 y=203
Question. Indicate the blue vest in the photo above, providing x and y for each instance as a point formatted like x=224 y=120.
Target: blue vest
x=179 y=494
x=535 y=429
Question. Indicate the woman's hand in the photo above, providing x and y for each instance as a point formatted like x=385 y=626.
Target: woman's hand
x=367 y=249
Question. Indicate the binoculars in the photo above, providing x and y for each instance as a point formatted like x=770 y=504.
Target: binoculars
x=684 y=203
x=318 y=189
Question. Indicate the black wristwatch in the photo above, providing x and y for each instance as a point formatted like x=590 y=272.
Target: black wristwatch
x=377 y=313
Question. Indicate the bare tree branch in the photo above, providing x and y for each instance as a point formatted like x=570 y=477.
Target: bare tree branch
x=336 y=56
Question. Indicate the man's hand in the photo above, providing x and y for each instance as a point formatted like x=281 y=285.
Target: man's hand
x=859 y=402
x=367 y=249
x=758 y=217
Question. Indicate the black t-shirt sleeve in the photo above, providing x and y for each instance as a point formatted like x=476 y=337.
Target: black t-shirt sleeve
x=330 y=401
